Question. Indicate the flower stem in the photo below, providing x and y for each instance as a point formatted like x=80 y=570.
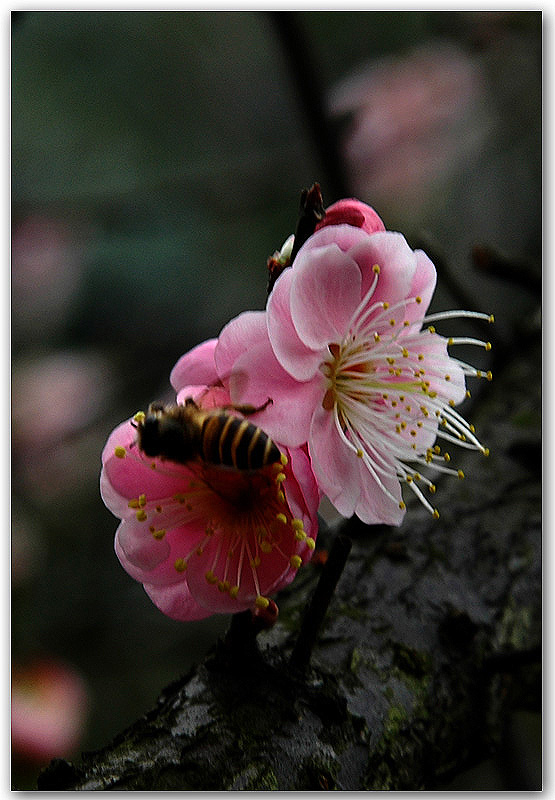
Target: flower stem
x=318 y=606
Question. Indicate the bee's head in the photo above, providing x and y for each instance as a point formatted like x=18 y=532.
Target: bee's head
x=150 y=435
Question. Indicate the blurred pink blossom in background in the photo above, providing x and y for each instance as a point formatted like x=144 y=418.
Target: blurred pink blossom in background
x=48 y=710
x=47 y=269
x=414 y=121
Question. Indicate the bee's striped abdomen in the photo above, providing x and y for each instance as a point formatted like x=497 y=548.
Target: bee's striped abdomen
x=236 y=442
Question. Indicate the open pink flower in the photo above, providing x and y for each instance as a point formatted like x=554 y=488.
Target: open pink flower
x=201 y=538
x=343 y=354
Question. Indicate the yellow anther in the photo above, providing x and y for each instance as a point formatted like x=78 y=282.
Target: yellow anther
x=210 y=577
x=262 y=602
x=435 y=513
x=141 y=515
x=472 y=429
x=159 y=534
x=432 y=487
x=385 y=305
x=403 y=425
x=413 y=432
x=180 y=564
x=377 y=337
x=300 y=536
x=450 y=340
x=460 y=473
x=447 y=377
x=408 y=478
x=402 y=506
x=255 y=562
x=485 y=451
x=133 y=503
x=390 y=360
x=405 y=352
x=446 y=457
x=265 y=546
x=159 y=509
x=406 y=323
x=283 y=459
x=142 y=500
x=452 y=403
x=277 y=466
x=467 y=394
x=310 y=543
x=376 y=269
x=431 y=329
x=489 y=375
x=392 y=322
x=418 y=299
x=488 y=346
x=437 y=449
x=432 y=394
x=478 y=373
x=360 y=453
x=491 y=318
x=281 y=497
x=139 y=417
x=280 y=477
x=234 y=591
x=119 y=452
x=281 y=518
x=421 y=356
x=297 y=524
x=223 y=586
x=295 y=561
x=397 y=429
x=153 y=465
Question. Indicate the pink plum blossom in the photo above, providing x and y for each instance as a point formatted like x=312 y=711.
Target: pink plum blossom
x=346 y=352
x=202 y=538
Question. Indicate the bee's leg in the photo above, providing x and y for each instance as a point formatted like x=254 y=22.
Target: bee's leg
x=248 y=408
x=155 y=406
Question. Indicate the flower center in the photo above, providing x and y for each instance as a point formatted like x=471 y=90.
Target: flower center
x=245 y=523
x=389 y=392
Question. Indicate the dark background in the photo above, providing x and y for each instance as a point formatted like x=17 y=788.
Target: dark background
x=157 y=161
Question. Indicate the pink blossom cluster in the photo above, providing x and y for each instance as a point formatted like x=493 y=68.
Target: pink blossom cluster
x=355 y=387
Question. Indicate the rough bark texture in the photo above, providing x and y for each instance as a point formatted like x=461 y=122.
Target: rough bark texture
x=431 y=638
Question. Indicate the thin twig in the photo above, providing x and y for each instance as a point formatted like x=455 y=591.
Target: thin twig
x=318 y=606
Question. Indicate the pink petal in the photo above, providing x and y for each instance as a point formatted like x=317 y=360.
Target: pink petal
x=438 y=364
x=257 y=376
x=352 y=212
x=334 y=464
x=374 y=506
x=139 y=548
x=423 y=285
x=176 y=601
x=325 y=291
x=300 y=361
x=238 y=337
x=344 y=236
x=137 y=551
x=303 y=494
x=196 y=367
x=205 y=396
x=397 y=263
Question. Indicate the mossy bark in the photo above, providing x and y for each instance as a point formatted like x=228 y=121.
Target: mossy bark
x=431 y=638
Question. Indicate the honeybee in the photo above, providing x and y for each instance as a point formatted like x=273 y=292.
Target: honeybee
x=184 y=433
